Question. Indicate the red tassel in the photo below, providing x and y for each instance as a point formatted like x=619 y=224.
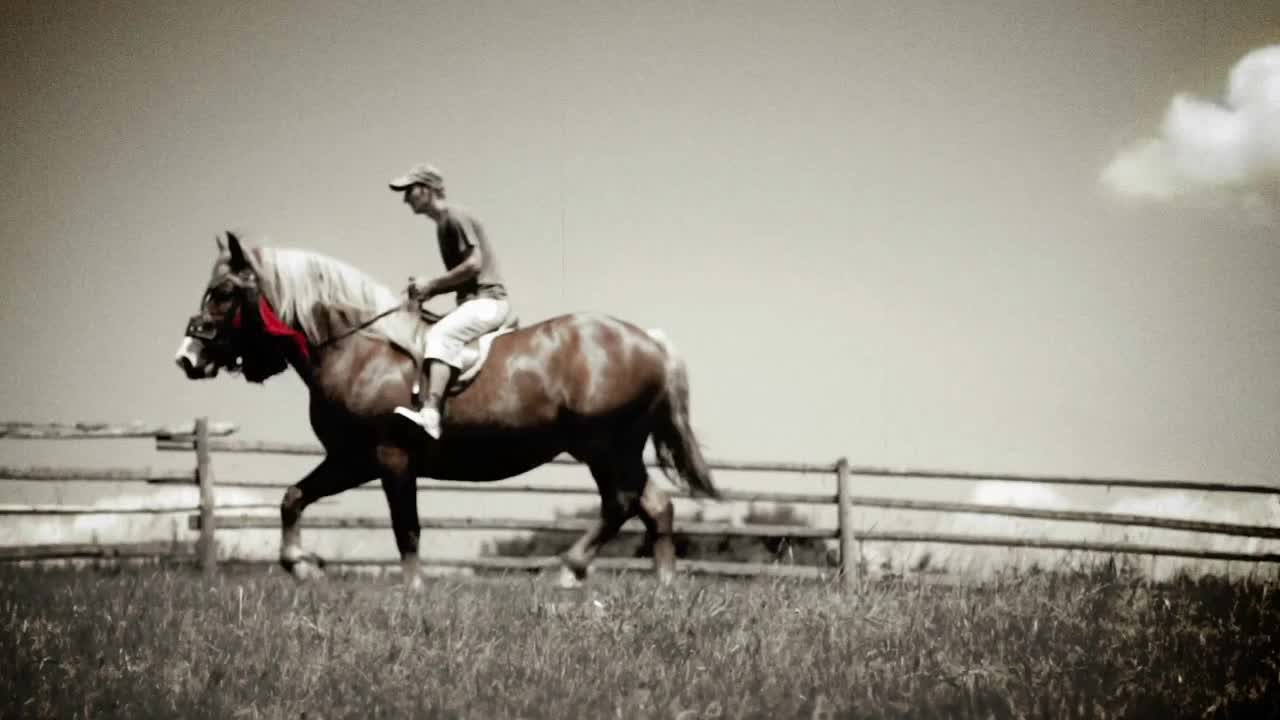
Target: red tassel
x=272 y=324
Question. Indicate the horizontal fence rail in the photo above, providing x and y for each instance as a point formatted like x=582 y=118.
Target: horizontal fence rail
x=203 y=438
x=89 y=551
x=567 y=525
x=76 y=474
x=724 y=568
x=11 y=509
x=1105 y=482
x=288 y=448
x=1096 y=518
x=525 y=488
x=1084 y=516
x=1046 y=544
x=113 y=431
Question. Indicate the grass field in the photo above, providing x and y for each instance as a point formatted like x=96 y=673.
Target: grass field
x=164 y=643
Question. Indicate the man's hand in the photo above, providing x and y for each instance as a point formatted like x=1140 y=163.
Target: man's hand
x=420 y=289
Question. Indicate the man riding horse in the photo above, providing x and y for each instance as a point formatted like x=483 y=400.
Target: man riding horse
x=590 y=385
x=472 y=272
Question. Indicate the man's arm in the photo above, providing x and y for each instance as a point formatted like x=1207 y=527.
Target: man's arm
x=455 y=278
x=463 y=272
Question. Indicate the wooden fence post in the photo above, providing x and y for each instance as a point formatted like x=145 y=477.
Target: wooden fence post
x=204 y=474
x=850 y=568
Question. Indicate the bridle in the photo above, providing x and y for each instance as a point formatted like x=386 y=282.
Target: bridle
x=220 y=337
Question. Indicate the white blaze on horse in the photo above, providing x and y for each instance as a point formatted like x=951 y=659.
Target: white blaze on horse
x=592 y=386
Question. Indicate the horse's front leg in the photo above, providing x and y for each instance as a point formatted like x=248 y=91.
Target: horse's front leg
x=330 y=477
x=400 y=485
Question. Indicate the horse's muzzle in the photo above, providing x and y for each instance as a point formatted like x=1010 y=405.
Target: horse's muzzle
x=191 y=360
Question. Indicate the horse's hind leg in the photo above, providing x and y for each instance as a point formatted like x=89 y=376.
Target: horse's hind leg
x=659 y=520
x=617 y=505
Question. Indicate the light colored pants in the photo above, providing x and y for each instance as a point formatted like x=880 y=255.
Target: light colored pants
x=473 y=318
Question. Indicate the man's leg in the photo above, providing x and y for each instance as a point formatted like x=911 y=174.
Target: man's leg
x=445 y=343
x=437 y=374
x=435 y=380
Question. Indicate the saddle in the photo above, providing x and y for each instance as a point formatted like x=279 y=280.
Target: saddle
x=412 y=340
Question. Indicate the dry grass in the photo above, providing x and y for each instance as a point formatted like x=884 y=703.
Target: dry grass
x=165 y=643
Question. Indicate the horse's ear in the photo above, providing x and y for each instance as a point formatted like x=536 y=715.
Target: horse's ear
x=222 y=246
x=238 y=260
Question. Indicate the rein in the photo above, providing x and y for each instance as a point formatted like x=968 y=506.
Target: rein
x=427 y=314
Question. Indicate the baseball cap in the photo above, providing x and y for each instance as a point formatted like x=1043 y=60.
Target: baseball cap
x=424 y=173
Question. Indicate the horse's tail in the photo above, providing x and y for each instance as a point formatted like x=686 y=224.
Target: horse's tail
x=678 y=452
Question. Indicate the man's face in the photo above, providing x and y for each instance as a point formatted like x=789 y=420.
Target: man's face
x=418 y=198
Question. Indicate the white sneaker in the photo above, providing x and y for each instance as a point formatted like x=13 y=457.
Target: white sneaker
x=428 y=419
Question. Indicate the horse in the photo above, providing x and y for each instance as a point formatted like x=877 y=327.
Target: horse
x=588 y=385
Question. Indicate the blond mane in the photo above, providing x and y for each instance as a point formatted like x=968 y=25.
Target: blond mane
x=323 y=296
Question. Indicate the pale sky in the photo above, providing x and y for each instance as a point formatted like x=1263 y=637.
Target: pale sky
x=874 y=230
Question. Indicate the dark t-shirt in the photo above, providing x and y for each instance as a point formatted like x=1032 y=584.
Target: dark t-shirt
x=458 y=231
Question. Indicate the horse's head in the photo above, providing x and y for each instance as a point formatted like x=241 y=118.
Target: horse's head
x=214 y=337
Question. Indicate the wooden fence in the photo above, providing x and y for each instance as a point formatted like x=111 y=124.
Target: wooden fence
x=204 y=439
x=101 y=431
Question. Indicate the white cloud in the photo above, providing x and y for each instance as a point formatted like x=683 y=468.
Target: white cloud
x=1207 y=153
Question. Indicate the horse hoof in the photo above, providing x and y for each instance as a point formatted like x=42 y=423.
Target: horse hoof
x=307 y=571
x=307 y=568
x=569 y=580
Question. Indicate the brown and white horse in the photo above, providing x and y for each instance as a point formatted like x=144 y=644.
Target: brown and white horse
x=592 y=386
